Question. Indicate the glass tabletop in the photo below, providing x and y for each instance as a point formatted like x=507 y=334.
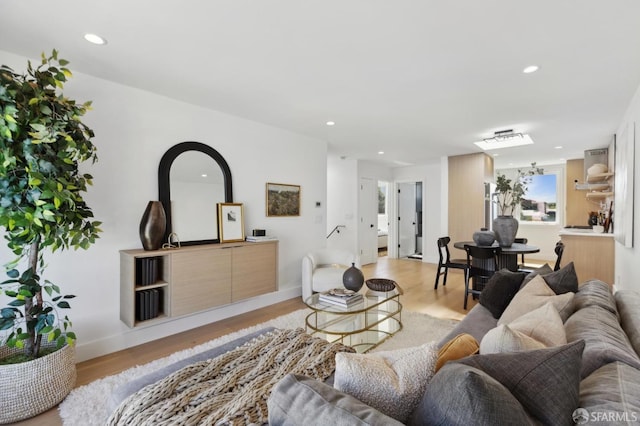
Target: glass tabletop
x=370 y=300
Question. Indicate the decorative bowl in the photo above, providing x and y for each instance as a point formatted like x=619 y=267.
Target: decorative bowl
x=381 y=284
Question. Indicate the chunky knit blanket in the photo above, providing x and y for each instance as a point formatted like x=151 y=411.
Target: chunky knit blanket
x=231 y=389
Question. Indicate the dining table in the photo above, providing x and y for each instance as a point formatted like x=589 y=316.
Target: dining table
x=508 y=257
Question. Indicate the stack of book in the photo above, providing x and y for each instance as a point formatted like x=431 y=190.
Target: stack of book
x=254 y=239
x=148 y=304
x=341 y=297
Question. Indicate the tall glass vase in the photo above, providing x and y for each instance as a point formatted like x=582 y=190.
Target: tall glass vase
x=152 y=226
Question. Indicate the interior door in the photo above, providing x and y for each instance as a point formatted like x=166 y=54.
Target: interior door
x=368 y=226
x=406 y=219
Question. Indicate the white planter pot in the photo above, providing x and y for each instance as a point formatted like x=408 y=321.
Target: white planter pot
x=30 y=388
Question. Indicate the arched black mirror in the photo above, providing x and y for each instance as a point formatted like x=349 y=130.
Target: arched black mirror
x=192 y=179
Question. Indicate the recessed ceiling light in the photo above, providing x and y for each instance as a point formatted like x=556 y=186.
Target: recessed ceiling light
x=95 y=39
x=204 y=175
x=380 y=152
x=558 y=147
x=530 y=69
x=331 y=123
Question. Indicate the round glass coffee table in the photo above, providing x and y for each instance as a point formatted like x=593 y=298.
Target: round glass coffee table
x=363 y=326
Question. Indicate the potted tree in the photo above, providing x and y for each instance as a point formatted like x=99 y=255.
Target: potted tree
x=509 y=195
x=42 y=143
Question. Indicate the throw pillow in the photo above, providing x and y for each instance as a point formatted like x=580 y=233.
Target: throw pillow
x=459 y=347
x=499 y=291
x=537 y=329
x=463 y=395
x=295 y=400
x=534 y=295
x=530 y=376
x=392 y=382
x=563 y=280
x=543 y=324
x=544 y=269
x=505 y=339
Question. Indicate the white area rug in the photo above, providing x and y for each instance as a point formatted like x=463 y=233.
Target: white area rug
x=87 y=405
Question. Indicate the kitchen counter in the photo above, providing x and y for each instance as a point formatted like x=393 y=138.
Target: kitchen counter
x=584 y=233
x=591 y=253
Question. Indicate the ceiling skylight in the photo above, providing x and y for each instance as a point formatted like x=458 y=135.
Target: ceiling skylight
x=504 y=139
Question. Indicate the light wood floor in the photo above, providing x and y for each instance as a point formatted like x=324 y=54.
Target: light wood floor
x=414 y=277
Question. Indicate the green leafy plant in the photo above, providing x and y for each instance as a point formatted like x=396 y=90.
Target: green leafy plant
x=511 y=191
x=42 y=143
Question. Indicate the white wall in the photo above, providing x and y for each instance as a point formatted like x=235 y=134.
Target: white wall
x=627 y=259
x=342 y=203
x=133 y=130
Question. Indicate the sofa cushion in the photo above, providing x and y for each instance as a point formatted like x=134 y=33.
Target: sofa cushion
x=459 y=347
x=612 y=390
x=595 y=292
x=532 y=296
x=563 y=280
x=530 y=375
x=499 y=291
x=605 y=341
x=462 y=395
x=298 y=400
x=537 y=329
x=391 y=381
x=544 y=269
x=628 y=303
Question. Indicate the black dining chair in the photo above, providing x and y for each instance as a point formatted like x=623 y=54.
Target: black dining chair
x=446 y=262
x=482 y=263
x=559 y=250
x=521 y=241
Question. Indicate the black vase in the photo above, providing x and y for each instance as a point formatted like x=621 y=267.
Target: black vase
x=152 y=226
x=353 y=278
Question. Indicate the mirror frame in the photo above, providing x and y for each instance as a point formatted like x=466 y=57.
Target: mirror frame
x=164 y=184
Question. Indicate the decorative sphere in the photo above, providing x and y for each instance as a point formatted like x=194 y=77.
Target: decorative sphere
x=353 y=278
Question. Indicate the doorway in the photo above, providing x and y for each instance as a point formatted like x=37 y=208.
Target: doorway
x=383 y=218
x=410 y=220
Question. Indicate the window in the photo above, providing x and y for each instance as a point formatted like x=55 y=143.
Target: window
x=540 y=202
x=382 y=197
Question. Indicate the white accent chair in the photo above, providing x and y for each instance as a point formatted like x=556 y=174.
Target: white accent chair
x=322 y=269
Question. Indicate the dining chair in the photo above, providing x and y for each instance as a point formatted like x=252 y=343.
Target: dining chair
x=446 y=262
x=521 y=241
x=482 y=263
x=559 y=250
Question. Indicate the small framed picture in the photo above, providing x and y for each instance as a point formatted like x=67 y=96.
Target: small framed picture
x=283 y=199
x=230 y=222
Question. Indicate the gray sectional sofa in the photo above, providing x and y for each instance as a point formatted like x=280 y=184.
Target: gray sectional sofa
x=599 y=368
x=594 y=377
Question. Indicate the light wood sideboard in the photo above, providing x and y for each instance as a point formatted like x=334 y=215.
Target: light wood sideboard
x=191 y=279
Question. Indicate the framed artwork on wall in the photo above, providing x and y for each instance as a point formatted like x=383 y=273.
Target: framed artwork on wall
x=230 y=222
x=283 y=199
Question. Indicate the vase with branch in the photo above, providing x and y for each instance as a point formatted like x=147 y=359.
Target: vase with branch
x=509 y=195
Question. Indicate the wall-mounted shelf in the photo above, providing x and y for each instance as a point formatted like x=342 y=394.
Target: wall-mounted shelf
x=157 y=286
x=599 y=177
x=599 y=194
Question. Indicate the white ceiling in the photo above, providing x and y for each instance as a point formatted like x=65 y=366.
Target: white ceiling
x=417 y=79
